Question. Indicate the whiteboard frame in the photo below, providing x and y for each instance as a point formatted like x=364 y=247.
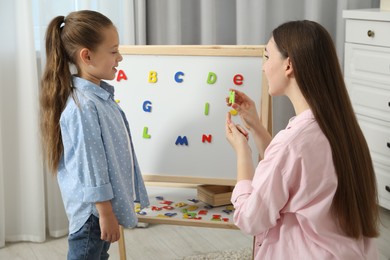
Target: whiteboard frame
x=206 y=50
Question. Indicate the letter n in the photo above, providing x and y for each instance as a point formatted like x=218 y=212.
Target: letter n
x=206 y=138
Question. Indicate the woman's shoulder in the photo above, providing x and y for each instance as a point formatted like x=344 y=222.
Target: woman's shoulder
x=302 y=130
x=300 y=140
x=297 y=153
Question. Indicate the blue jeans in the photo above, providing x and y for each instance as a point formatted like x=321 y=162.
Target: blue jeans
x=86 y=244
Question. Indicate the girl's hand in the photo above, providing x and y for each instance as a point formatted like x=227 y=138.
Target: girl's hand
x=109 y=226
x=246 y=108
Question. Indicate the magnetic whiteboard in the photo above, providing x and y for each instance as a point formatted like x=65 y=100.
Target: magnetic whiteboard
x=174 y=100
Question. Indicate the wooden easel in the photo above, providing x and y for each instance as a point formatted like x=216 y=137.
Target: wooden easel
x=192 y=182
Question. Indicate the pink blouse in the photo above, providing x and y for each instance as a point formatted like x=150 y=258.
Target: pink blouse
x=287 y=204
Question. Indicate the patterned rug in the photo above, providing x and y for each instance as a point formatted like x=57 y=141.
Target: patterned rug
x=241 y=254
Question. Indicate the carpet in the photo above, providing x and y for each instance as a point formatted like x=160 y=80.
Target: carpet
x=240 y=254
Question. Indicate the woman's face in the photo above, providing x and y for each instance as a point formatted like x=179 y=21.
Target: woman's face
x=274 y=67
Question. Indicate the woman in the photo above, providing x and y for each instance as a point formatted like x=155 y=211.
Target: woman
x=313 y=195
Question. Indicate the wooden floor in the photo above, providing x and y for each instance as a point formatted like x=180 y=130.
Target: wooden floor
x=383 y=242
x=165 y=242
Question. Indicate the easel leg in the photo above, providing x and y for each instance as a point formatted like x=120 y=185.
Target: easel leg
x=253 y=247
x=121 y=244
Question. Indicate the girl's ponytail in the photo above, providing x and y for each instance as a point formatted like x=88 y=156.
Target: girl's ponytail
x=55 y=90
x=65 y=36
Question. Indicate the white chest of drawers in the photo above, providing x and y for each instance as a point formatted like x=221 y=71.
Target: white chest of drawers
x=367 y=75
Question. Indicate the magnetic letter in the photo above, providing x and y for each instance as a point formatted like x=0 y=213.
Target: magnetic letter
x=177 y=75
x=238 y=79
x=121 y=75
x=211 y=78
x=181 y=140
x=206 y=109
x=232 y=96
x=147 y=106
x=152 y=77
x=206 y=138
x=145 y=134
x=233 y=112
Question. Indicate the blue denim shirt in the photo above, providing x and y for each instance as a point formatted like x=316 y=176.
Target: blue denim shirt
x=98 y=162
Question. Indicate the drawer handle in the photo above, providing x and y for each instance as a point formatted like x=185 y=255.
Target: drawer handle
x=387 y=188
x=370 y=33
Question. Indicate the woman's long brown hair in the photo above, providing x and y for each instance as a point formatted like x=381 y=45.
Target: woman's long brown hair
x=65 y=36
x=319 y=76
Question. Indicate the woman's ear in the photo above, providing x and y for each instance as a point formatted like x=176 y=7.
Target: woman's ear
x=85 y=56
x=289 y=67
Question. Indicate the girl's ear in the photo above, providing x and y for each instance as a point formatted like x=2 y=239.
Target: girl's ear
x=85 y=56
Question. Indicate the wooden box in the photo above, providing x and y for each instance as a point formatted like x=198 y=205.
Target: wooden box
x=215 y=195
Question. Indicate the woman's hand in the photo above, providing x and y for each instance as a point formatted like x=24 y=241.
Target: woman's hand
x=246 y=108
x=238 y=138
x=236 y=135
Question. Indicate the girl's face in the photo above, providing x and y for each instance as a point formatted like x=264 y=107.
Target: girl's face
x=274 y=67
x=105 y=59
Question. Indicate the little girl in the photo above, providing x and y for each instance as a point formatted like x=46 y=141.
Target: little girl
x=85 y=134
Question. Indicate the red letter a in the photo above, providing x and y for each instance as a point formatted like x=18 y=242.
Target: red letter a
x=121 y=75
